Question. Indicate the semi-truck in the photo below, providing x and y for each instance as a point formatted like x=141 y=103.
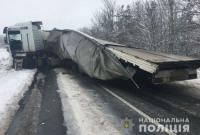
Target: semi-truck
x=97 y=58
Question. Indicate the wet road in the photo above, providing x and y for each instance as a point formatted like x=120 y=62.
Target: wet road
x=51 y=119
x=123 y=102
x=40 y=110
x=175 y=100
x=178 y=100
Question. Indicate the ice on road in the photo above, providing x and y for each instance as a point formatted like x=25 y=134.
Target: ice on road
x=89 y=119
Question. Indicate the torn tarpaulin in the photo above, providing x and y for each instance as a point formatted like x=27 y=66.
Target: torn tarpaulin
x=88 y=53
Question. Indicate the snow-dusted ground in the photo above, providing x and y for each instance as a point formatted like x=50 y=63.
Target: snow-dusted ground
x=1 y=39
x=13 y=84
x=86 y=116
x=5 y=59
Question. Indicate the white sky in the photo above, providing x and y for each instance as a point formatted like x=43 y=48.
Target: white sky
x=53 y=13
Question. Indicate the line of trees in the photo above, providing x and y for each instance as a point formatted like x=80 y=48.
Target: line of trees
x=170 y=26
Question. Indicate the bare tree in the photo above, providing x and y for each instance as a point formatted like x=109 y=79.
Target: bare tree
x=171 y=26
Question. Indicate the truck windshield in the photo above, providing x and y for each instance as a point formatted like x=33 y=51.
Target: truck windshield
x=15 y=41
x=14 y=35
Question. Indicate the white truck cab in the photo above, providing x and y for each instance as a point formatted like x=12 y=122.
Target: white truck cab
x=25 y=40
x=25 y=37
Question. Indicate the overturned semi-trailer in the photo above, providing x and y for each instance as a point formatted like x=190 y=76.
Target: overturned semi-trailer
x=106 y=60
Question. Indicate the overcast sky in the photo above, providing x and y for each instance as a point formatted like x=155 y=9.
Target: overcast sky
x=54 y=13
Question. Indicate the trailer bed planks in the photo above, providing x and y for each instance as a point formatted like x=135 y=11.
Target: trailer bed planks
x=153 y=61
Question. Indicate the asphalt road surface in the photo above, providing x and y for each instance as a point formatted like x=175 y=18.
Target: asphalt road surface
x=41 y=113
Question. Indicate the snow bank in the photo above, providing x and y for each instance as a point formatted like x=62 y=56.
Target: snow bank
x=13 y=85
x=81 y=113
x=198 y=73
x=5 y=59
x=1 y=40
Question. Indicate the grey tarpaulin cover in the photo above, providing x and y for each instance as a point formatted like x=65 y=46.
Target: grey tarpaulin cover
x=88 y=53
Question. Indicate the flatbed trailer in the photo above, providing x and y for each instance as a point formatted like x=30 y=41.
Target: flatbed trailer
x=107 y=60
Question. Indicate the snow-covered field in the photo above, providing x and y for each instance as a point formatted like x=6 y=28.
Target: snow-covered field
x=86 y=116
x=13 y=84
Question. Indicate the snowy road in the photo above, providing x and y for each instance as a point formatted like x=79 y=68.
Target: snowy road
x=91 y=103
x=85 y=107
x=78 y=105
x=63 y=102
x=13 y=84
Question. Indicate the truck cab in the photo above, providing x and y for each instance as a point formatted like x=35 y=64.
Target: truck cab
x=24 y=37
x=25 y=41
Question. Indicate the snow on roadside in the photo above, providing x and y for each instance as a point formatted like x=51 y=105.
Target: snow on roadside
x=13 y=84
x=89 y=119
x=1 y=40
x=5 y=59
